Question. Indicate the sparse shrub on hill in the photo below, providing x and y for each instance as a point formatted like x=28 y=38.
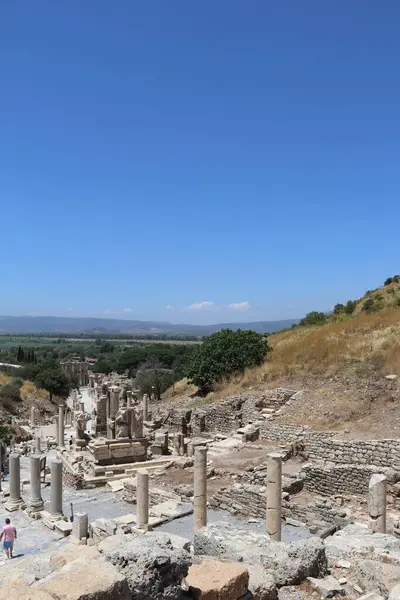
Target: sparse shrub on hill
x=223 y=354
x=373 y=304
x=313 y=318
x=339 y=309
x=395 y=279
x=350 y=307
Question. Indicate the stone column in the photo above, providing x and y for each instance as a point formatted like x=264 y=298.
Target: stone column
x=128 y=398
x=82 y=406
x=61 y=434
x=274 y=496
x=377 y=503
x=179 y=442
x=80 y=526
x=1 y=464
x=15 y=501
x=36 y=501
x=33 y=417
x=56 y=489
x=38 y=445
x=190 y=450
x=145 y=407
x=56 y=419
x=142 y=497
x=200 y=488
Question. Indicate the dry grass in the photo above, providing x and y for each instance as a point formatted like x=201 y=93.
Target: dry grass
x=349 y=347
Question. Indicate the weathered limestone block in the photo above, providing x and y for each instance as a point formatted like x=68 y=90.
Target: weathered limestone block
x=215 y=580
x=153 y=566
x=290 y=564
x=86 y=580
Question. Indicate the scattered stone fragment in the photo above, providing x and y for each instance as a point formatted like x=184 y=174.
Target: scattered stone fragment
x=215 y=580
x=328 y=587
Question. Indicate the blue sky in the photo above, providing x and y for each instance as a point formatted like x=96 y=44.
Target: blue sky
x=199 y=162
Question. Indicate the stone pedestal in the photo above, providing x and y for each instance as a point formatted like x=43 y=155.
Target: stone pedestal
x=142 y=497
x=377 y=503
x=15 y=502
x=145 y=407
x=274 y=496
x=60 y=430
x=200 y=488
x=35 y=502
x=80 y=526
x=56 y=489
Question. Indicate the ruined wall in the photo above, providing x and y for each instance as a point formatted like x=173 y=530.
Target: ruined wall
x=341 y=479
x=250 y=501
x=380 y=453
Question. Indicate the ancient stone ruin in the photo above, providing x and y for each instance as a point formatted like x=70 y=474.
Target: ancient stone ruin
x=120 y=497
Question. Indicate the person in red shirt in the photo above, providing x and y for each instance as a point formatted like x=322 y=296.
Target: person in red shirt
x=9 y=533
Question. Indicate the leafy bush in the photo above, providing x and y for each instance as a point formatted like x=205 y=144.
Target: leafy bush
x=222 y=354
x=338 y=309
x=350 y=307
x=373 y=304
x=388 y=281
x=313 y=318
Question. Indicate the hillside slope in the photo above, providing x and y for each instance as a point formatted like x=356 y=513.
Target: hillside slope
x=342 y=367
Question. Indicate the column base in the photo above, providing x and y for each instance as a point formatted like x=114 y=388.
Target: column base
x=14 y=505
x=34 y=506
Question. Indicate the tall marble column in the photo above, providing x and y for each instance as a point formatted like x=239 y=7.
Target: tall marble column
x=274 y=496
x=61 y=424
x=142 y=497
x=145 y=407
x=15 y=502
x=33 y=417
x=35 y=502
x=56 y=509
x=200 y=488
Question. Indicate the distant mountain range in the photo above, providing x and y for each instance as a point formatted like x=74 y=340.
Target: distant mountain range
x=9 y=325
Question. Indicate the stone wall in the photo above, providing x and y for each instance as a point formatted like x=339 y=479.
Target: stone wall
x=340 y=479
x=380 y=453
x=250 y=501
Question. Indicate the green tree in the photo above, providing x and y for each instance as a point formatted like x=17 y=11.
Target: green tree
x=52 y=379
x=222 y=354
x=153 y=379
x=313 y=318
x=350 y=307
x=338 y=309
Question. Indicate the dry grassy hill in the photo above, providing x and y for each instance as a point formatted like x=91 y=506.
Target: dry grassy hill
x=342 y=366
x=29 y=395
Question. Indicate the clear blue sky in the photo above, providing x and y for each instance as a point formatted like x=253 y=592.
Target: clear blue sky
x=233 y=160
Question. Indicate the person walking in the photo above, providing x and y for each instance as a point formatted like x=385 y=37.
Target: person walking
x=9 y=533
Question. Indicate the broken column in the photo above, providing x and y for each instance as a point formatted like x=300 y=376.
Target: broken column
x=179 y=443
x=56 y=489
x=80 y=526
x=274 y=496
x=142 y=497
x=200 y=488
x=38 y=445
x=60 y=432
x=377 y=503
x=145 y=407
x=35 y=502
x=15 y=501
x=33 y=417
